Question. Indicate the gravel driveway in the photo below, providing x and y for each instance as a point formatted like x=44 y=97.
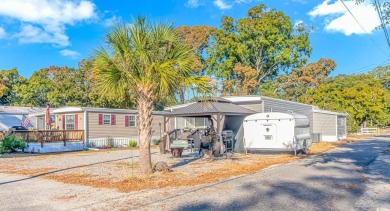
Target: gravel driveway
x=354 y=176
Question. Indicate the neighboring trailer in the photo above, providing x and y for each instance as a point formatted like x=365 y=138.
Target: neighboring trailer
x=324 y=125
x=277 y=131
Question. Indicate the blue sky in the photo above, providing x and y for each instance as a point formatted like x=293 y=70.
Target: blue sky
x=35 y=34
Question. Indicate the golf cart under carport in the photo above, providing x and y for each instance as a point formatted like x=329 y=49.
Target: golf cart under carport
x=225 y=119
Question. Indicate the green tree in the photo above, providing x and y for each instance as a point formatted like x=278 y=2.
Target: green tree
x=146 y=60
x=265 y=40
x=35 y=91
x=61 y=86
x=10 y=83
x=88 y=84
x=382 y=73
x=363 y=97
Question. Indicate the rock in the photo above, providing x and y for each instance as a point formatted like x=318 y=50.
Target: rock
x=161 y=166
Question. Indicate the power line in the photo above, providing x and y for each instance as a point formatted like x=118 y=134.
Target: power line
x=383 y=26
x=362 y=27
x=368 y=67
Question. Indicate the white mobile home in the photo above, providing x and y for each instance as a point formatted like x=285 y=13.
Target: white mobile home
x=13 y=116
x=277 y=131
x=101 y=124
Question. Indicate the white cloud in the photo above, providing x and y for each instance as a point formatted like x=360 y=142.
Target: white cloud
x=192 y=3
x=222 y=5
x=338 y=19
x=45 y=21
x=2 y=33
x=34 y=34
x=112 y=21
x=69 y=53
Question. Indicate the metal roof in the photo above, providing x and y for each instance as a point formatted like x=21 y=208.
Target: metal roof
x=329 y=112
x=210 y=107
x=256 y=98
x=9 y=120
x=89 y=109
x=20 y=110
x=171 y=108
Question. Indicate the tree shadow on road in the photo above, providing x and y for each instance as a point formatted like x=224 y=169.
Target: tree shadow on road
x=316 y=191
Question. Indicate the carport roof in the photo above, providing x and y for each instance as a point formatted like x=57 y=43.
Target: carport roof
x=209 y=107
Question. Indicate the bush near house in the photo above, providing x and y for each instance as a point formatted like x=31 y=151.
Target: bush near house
x=110 y=142
x=155 y=141
x=133 y=143
x=11 y=144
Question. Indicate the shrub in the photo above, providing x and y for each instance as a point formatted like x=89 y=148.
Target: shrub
x=110 y=142
x=92 y=144
x=155 y=141
x=133 y=143
x=11 y=144
x=104 y=147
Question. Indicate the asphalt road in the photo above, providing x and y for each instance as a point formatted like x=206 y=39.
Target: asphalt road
x=353 y=177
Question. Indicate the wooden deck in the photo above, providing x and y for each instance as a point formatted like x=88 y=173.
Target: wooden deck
x=50 y=136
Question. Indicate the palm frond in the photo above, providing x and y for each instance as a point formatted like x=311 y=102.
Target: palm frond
x=146 y=55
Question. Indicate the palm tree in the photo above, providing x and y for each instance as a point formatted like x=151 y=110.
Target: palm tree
x=146 y=60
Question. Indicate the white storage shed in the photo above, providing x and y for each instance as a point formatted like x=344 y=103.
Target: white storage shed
x=277 y=131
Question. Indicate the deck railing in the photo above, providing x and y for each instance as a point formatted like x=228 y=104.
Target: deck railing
x=50 y=136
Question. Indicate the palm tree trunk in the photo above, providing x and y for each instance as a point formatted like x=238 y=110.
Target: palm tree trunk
x=145 y=118
x=181 y=94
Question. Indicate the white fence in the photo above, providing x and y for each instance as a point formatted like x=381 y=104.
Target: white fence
x=112 y=142
x=369 y=131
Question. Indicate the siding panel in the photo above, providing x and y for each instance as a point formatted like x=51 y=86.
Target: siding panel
x=324 y=124
x=79 y=121
x=119 y=130
x=257 y=107
x=273 y=105
x=341 y=127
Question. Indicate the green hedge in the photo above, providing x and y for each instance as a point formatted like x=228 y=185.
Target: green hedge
x=10 y=144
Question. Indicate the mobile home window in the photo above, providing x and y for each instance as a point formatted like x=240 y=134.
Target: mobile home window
x=106 y=119
x=69 y=122
x=53 y=118
x=132 y=121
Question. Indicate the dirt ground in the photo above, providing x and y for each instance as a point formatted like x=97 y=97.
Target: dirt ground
x=118 y=169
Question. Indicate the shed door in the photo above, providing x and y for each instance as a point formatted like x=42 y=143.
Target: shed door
x=259 y=135
x=268 y=136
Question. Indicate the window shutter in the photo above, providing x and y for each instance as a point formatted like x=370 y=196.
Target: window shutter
x=76 y=121
x=126 y=121
x=63 y=122
x=113 y=119
x=100 y=119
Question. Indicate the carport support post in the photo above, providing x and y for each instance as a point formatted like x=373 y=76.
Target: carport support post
x=218 y=123
x=162 y=145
